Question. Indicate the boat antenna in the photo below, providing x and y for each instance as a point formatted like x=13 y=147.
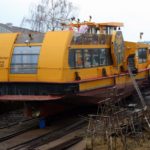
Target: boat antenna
x=141 y=35
x=90 y=18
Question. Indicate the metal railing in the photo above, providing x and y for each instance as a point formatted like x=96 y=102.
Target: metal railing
x=88 y=39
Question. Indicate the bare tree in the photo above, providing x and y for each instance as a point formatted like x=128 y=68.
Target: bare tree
x=49 y=14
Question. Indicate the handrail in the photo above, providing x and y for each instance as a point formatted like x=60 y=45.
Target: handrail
x=86 y=38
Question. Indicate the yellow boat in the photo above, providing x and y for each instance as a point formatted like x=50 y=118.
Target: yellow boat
x=83 y=65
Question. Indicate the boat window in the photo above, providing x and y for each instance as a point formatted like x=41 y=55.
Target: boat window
x=25 y=60
x=109 y=30
x=102 y=57
x=108 y=57
x=87 y=58
x=142 y=55
x=105 y=58
x=79 y=58
x=72 y=58
x=95 y=58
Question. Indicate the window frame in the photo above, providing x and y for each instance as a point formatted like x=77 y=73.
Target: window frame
x=26 y=65
x=106 y=56
x=142 y=59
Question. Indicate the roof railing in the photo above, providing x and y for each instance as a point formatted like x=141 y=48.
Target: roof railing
x=91 y=39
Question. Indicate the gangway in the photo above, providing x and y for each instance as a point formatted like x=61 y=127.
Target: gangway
x=137 y=89
x=139 y=93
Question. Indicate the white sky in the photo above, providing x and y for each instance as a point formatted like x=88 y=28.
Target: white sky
x=135 y=14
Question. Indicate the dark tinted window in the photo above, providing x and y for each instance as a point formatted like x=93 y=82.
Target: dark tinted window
x=85 y=58
x=95 y=58
x=102 y=57
x=79 y=58
x=142 y=55
x=72 y=58
x=108 y=57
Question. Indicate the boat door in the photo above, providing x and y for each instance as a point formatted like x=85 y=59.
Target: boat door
x=131 y=63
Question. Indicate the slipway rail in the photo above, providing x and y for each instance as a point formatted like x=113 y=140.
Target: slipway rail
x=18 y=129
x=51 y=136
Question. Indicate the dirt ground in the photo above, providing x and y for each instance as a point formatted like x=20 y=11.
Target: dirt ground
x=135 y=143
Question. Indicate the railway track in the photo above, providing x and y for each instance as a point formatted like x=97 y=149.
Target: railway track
x=51 y=136
x=67 y=144
x=14 y=123
x=18 y=128
x=12 y=118
x=26 y=135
